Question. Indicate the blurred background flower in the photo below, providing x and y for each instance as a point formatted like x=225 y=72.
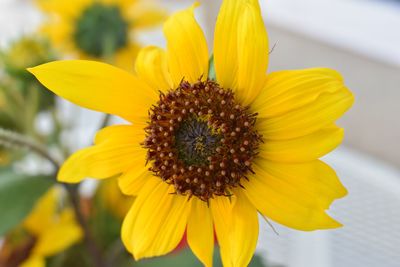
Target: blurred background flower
x=52 y=226
x=99 y=30
x=19 y=90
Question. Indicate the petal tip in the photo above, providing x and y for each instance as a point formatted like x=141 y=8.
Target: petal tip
x=336 y=224
x=331 y=224
x=31 y=70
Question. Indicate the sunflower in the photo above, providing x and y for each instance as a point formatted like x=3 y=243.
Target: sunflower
x=99 y=29
x=54 y=228
x=201 y=153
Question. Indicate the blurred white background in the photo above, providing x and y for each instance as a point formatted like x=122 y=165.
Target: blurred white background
x=361 y=39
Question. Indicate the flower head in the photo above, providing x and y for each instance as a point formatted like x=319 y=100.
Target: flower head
x=102 y=30
x=52 y=227
x=24 y=52
x=205 y=154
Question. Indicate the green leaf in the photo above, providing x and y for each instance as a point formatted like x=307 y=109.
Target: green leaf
x=181 y=258
x=186 y=258
x=211 y=69
x=18 y=195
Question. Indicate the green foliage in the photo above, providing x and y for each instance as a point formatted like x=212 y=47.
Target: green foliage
x=184 y=258
x=18 y=195
x=73 y=256
x=105 y=226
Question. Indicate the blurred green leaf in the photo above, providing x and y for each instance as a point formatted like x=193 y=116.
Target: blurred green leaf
x=74 y=256
x=181 y=258
x=18 y=195
x=186 y=258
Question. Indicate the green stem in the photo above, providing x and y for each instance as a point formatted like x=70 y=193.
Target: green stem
x=108 y=52
x=91 y=246
x=15 y=140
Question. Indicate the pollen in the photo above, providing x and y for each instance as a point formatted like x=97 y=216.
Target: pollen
x=195 y=139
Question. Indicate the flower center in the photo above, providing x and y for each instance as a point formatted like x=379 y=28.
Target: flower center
x=200 y=140
x=101 y=30
x=195 y=141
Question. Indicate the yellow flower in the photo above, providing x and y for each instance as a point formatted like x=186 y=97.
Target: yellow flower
x=99 y=29
x=116 y=202
x=53 y=227
x=25 y=52
x=218 y=152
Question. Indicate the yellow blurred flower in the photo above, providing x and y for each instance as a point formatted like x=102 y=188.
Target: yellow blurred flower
x=219 y=152
x=17 y=86
x=53 y=227
x=28 y=51
x=99 y=29
x=116 y=202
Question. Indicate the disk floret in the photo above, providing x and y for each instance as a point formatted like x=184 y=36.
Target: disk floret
x=201 y=140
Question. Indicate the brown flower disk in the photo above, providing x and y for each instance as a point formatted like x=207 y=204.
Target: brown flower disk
x=200 y=140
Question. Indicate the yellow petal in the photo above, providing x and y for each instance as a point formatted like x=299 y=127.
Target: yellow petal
x=100 y=161
x=252 y=53
x=287 y=203
x=302 y=149
x=303 y=121
x=187 y=51
x=226 y=43
x=243 y=230
x=127 y=226
x=42 y=215
x=145 y=16
x=237 y=229
x=314 y=182
x=221 y=208
x=200 y=232
x=126 y=134
x=97 y=86
x=156 y=222
x=134 y=179
x=58 y=237
x=54 y=230
x=151 y=66
x=112 y=198
x=288 y=90
x=122 y=4
x=34 y=261
x=65 y=9
x=297 y=103
x=169 y=229
x=60 y=34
